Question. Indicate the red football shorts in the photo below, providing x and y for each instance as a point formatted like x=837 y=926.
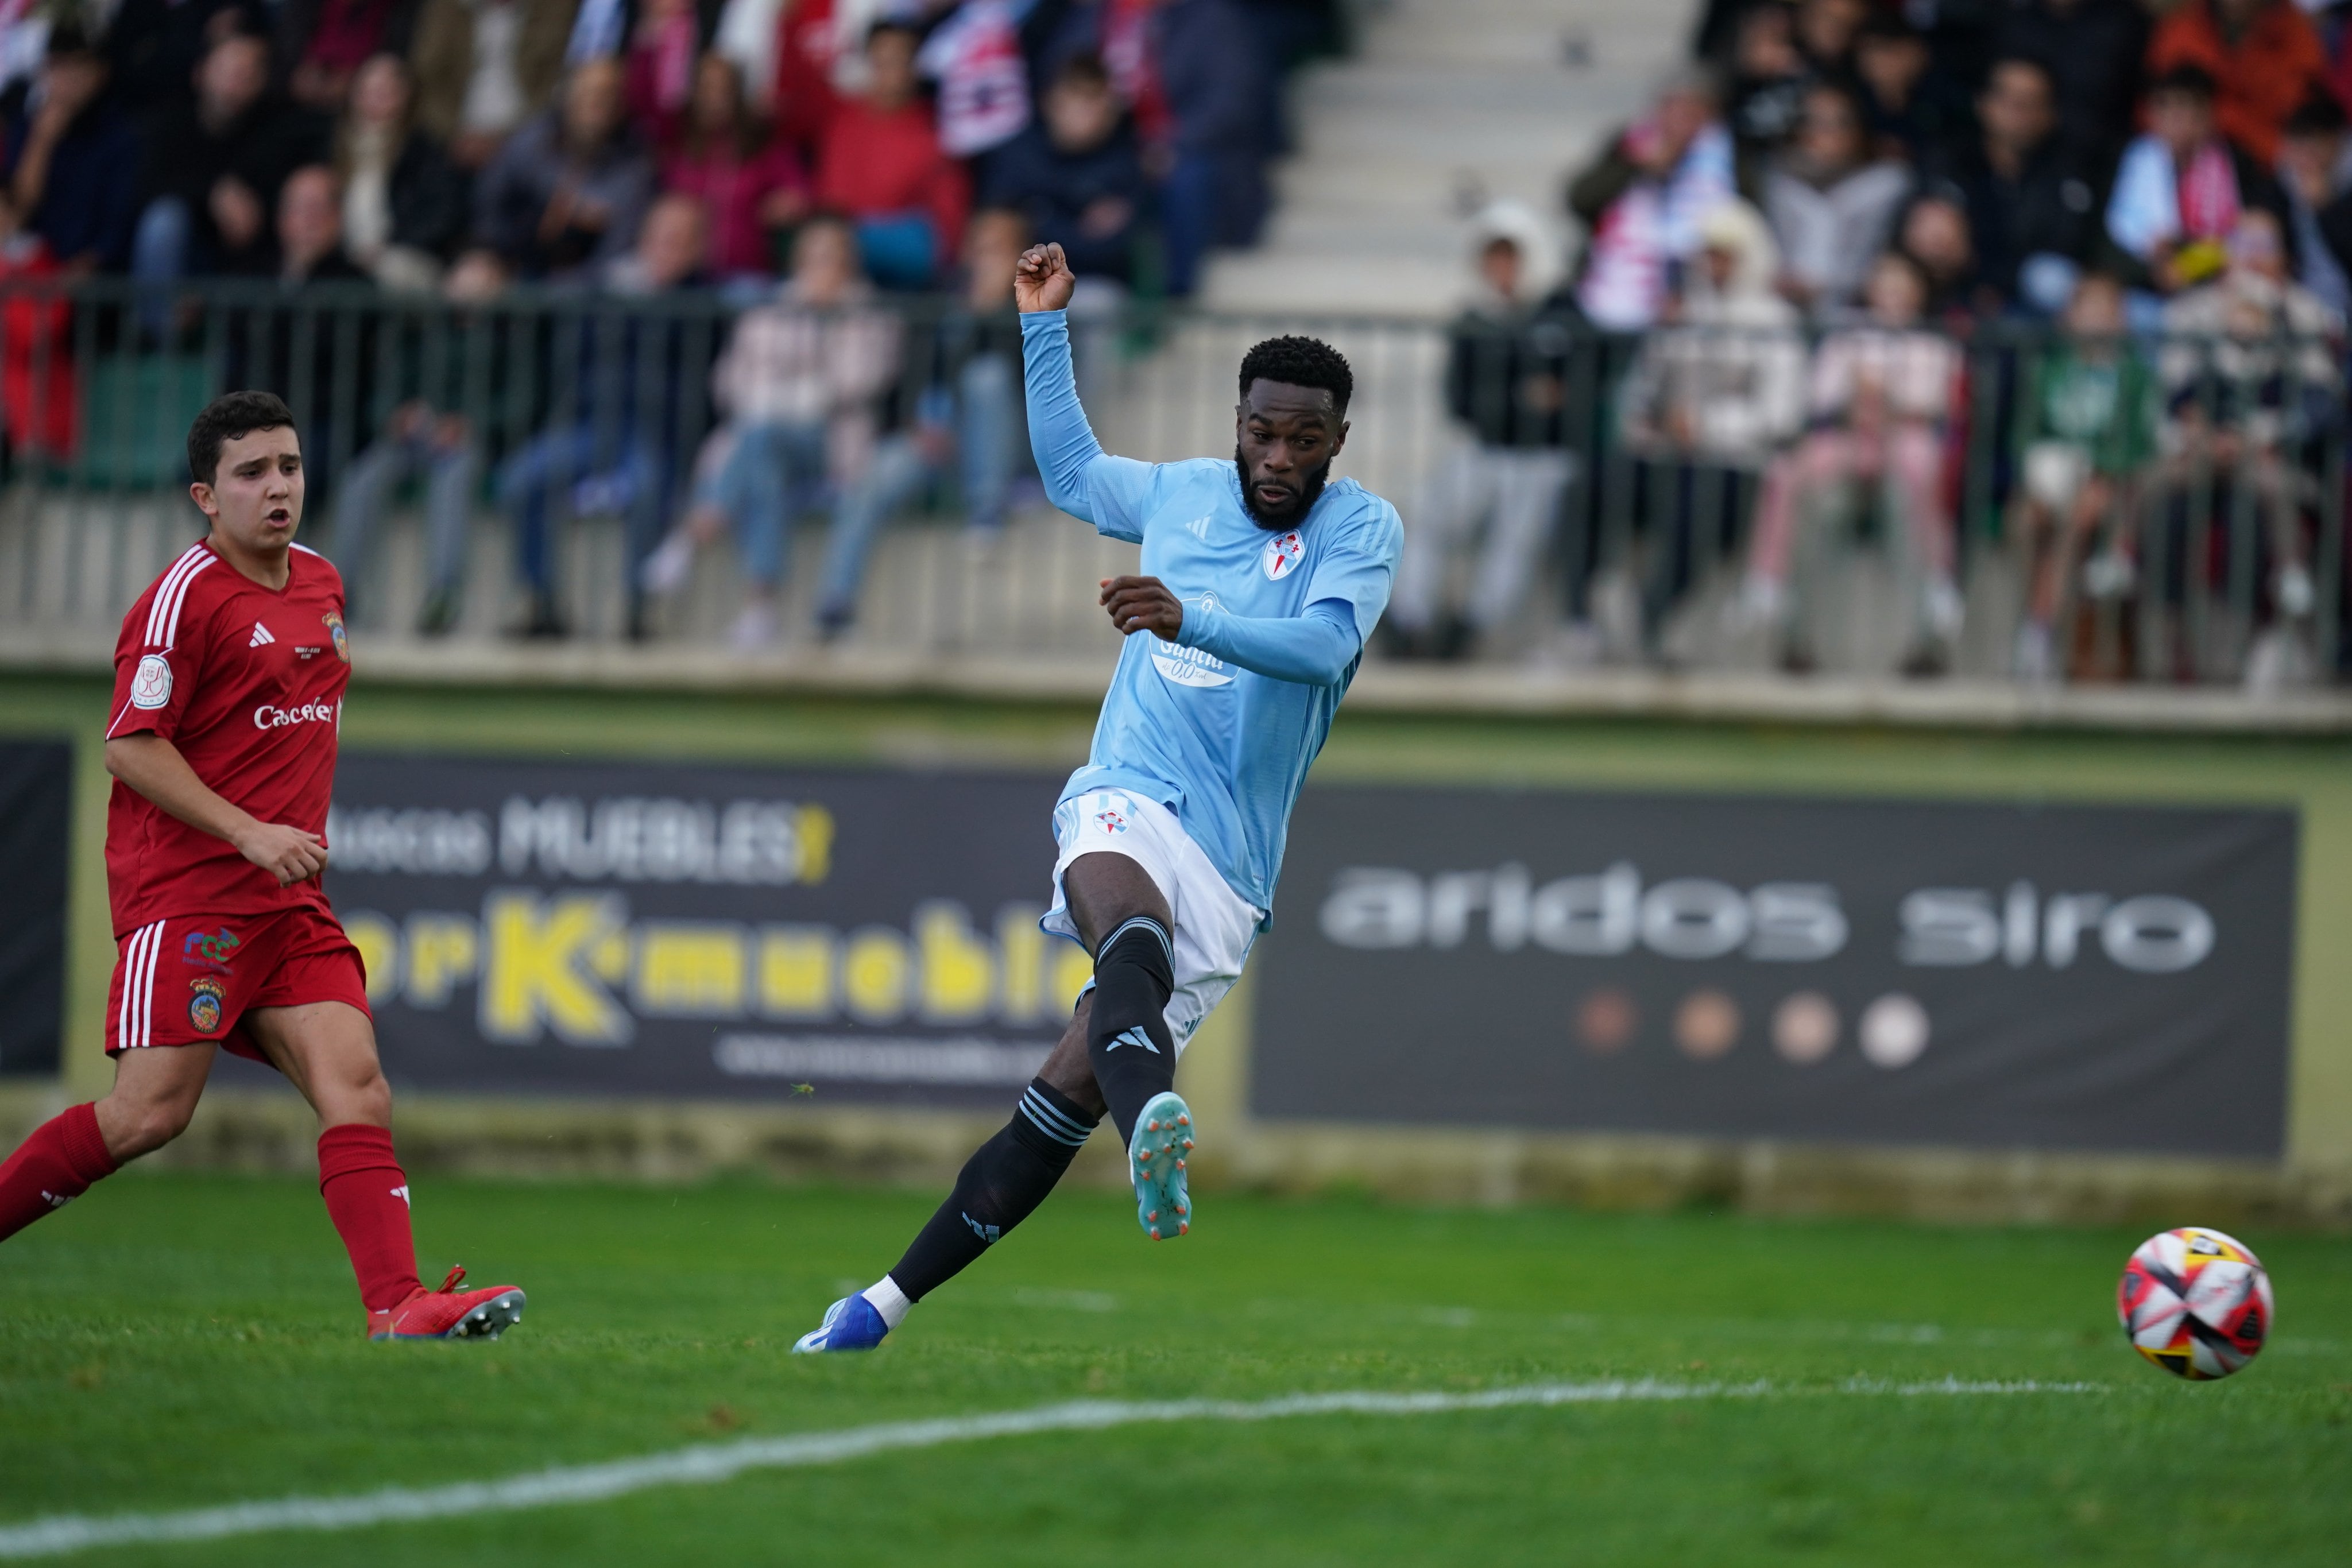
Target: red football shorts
x=193 y=978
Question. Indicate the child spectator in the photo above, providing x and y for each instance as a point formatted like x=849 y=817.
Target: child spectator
x=967 y=418
x=216 y=161
x=1831 y=205
x=1506 y=387
x=620 y=383
x=484 y=67
x=1934 y=233
x=404 y=201
x=2091 y=52
x=1882 y=393
x=1641 y=201
x=323 y=43
x=73 y=162
x=568 y=190
x=882 y=165
x=2261 y=55
x=2182 y=188
x=800 y=385
x=751 y=185
x=2250 y=375
x=2032 y=206
x=2315 y=173
x=1717 y=393
x=1076 y=175
x=2086 y=426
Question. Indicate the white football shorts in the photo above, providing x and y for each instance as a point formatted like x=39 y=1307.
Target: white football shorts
x=1214 y=925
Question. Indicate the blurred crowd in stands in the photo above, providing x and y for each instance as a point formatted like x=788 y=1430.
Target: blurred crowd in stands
x=800 y=159
x=2100 y=249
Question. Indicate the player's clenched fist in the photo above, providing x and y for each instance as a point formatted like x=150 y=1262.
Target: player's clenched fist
x=1143 y=604
x=1042 y=280
x=290 y=854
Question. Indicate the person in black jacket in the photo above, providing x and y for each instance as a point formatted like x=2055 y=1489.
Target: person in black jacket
x=2032 y=205
x=404 y=201
x=1508 y=379
x=216 y=162
x=72 y=163
x=1076 y=175
x=2092 y=51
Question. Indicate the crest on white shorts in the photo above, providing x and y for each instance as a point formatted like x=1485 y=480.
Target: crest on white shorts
x=1283 y=553
x=151 y=683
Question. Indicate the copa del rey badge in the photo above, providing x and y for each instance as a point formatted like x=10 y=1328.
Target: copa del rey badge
x=1283 y=554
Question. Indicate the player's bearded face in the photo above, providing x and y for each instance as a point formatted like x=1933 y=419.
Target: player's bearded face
x=1302 y=485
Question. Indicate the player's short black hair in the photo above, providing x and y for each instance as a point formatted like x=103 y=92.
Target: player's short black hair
x=229 y=417
x=1300 y=363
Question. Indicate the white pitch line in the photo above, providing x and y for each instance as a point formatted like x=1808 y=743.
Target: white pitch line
x=708 y=1464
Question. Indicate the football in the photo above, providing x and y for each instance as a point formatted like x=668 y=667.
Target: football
x=2196 y=1302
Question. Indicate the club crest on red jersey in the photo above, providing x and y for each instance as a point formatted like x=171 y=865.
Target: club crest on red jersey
x=1283 y=554
x=334 y=624
x=205 y=1003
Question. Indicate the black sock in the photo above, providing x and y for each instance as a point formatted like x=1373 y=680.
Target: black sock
x=1128 y=1042
x=1001 y=1185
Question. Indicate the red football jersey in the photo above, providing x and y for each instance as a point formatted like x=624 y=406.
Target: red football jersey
x=248 y=683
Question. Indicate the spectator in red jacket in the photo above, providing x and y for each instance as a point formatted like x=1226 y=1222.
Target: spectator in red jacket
x=882 y=166
x=2262 y=55
x=749 y=182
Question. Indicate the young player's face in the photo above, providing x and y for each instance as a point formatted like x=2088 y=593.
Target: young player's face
x=256 y=498
x=1286 y=438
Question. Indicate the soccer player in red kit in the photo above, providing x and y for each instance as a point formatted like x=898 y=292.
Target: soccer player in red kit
x=228 y=694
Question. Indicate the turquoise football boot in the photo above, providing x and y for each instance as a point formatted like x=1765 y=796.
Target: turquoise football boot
x=1163 y=1141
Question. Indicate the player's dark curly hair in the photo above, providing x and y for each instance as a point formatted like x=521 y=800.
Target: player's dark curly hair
x=1300 y=363
x=229 y=417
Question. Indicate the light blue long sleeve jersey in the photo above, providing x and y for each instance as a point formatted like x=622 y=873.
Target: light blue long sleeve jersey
x=1220 y=725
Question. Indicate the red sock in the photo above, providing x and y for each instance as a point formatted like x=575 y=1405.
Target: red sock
x=367 y=1197
x=52 y=1167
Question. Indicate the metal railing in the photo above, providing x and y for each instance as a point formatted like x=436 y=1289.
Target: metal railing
x=1714 y=499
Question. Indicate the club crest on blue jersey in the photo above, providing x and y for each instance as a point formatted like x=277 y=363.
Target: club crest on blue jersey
x=205 y=1003
x=334 y=625
x=1282 y=555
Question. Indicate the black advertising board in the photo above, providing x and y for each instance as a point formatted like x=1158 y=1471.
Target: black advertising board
x=2062 y=977
x=36 y=822
x=661 y=929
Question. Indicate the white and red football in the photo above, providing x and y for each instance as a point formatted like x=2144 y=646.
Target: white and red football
x=2196 y=1302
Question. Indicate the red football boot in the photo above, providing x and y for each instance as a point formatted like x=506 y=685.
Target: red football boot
x=450 y=1313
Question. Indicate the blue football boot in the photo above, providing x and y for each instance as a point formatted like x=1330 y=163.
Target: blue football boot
x=850 y=1323
x=1163 y=1140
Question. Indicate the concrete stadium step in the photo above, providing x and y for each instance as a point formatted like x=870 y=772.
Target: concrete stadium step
x=1447 y=103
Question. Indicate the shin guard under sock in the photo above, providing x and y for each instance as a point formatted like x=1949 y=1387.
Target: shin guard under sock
x=367 y=1197
x=51 y=1168
x=1127 y=1040
x=1001 y=1185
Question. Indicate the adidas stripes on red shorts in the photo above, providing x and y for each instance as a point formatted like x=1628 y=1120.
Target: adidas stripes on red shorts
x=193 y=978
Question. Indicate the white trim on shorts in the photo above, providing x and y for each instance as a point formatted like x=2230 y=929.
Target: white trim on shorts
x=134 y=1023
x=1214 y=925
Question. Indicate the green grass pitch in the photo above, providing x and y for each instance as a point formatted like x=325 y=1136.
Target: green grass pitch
x=176 y=1342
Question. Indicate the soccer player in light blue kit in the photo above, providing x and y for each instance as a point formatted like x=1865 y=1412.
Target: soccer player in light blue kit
x=1263 y=578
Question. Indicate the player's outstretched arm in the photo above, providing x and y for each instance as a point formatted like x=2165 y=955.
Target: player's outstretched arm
x=153 y=765
x=1080 y=477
